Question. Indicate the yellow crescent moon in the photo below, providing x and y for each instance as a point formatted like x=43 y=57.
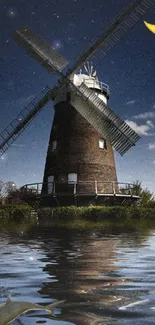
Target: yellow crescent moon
x=151 y=27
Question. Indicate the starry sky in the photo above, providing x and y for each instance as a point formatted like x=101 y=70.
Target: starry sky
x=128 y=69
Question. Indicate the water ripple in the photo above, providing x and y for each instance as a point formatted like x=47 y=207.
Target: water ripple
x=105 y=278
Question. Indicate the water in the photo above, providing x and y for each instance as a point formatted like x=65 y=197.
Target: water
x=98 y=274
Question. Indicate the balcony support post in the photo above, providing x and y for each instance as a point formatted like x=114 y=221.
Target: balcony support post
x=96 y=187
x=54 y=188
x=74 y=188
x=113 y=188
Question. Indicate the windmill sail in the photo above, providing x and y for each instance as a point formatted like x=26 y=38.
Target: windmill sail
x=109 y=114
x=117 y=29
x=13 y=130
x=47 y=56
x=103 y=119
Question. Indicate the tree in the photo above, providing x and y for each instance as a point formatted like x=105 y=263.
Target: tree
x=13 y=194
x=10 y=193
x=146 y=196
x=1 y=191
x=10 y=186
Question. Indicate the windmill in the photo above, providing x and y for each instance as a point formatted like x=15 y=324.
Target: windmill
x=84 y=128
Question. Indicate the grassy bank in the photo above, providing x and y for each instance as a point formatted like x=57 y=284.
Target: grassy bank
x=16 y=218
x=98 y=217
x=15 y=212
x=119 y=217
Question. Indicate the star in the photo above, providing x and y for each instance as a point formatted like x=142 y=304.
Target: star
x=56 y=44
x=57 y=16
x=11 y=13
x=70 y=39
x=72 y=24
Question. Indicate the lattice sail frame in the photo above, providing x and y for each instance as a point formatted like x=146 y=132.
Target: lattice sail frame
x=114 y=32
x=13 y=130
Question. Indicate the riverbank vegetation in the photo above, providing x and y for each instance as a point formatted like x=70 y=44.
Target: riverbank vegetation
x=16 y=212
x=147 y=198
x=17 y=218
x=141 y=214
x=97 y=216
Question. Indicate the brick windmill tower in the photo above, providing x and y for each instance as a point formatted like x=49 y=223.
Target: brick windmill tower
x=77 y=152
x=80 y=158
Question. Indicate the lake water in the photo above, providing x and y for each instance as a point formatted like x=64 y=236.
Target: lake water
x=97 y=273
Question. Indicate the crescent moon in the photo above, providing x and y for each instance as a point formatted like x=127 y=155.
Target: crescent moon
x=151 y=27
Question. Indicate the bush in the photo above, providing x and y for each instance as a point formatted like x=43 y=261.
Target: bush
x=92 y=216
x=15 y=212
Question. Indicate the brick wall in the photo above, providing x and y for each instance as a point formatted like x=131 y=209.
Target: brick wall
x=77 y=148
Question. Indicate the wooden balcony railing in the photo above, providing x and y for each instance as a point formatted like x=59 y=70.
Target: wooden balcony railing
x=80 y=188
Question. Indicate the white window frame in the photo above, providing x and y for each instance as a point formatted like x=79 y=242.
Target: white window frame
x=102 y=144
x=72 y=178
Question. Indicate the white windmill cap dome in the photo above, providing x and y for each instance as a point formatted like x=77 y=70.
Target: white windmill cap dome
x=89 y=81
x=88 y=76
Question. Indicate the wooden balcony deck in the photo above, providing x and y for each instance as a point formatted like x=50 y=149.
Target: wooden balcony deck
x=80 y=193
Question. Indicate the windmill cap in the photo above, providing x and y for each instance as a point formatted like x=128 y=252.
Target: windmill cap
x=90 y=82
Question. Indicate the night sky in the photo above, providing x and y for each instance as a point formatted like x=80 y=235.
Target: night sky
x=129 y=70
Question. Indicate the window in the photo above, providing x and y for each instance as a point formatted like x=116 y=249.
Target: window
x=50 y=184
x=102 y=144
x=54 y=145
x=72 y=178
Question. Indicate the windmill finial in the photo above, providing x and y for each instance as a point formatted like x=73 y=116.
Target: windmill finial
x=89 y=69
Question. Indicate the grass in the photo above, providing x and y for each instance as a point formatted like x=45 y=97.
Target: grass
x=98 y=217
x=16 y=218
x=101 y=217
x=15 y=212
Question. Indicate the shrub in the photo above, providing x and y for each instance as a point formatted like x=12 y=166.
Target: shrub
x=15 y=212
